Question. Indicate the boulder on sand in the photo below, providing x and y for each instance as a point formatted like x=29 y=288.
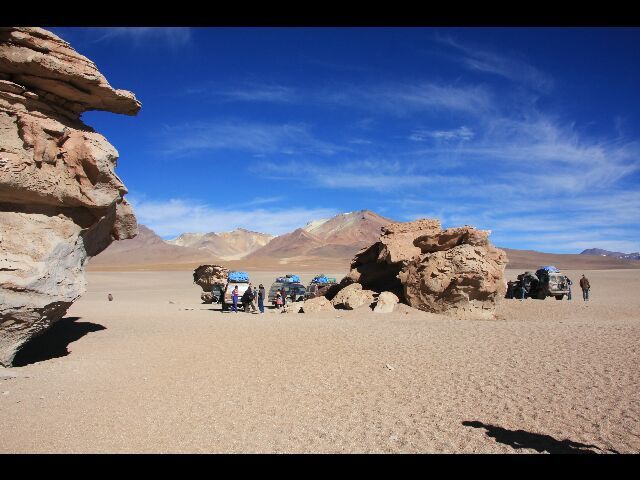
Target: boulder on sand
x=352 y=297
x=386 y=303
x=318 y=304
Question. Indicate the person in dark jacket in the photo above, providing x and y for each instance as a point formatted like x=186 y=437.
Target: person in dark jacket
x=254 y=298
x=283 y=294
x=569 y=284
x=510 y=289
x=525 y=285
x=247 y=299
x=585 y=286
x=261 y=296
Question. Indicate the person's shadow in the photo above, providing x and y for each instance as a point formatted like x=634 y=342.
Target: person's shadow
x=541 y=443
x=53 y=342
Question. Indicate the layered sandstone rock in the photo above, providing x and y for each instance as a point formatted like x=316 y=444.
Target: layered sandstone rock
x=206 y=276
x=377 y=266
x=456 y=271
x=60 y=200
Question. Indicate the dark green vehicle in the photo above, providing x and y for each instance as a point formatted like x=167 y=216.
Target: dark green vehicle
x=297 y=289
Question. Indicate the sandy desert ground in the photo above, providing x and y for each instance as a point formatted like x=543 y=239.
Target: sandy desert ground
x=157 y=371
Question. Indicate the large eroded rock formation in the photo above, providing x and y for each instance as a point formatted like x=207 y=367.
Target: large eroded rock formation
x=206 y=276
x=455 y=271
x=60 y=200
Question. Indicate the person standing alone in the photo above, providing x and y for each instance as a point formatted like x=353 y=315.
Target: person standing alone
x=261 y=295
x=585 y=286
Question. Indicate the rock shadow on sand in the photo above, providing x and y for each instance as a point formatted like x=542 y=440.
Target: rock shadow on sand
x=518 y=439
x=53 y=342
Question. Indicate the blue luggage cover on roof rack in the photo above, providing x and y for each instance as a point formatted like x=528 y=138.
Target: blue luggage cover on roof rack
x=320 y=279
x=288 y=279
x=549 y=268
x=238 y=277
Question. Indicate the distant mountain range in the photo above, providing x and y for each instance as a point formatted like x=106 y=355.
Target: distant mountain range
x=336 y=238
x=328 y=241
x=147 y=248
x=232 y=245
x=607 y=253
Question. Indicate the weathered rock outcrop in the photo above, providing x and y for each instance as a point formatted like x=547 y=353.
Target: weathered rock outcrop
x=206 y=276
x=352 y=297
x=60 y=200
x=455 y=271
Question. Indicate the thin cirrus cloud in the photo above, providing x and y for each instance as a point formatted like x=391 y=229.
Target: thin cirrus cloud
x=170 y=218
x=487 y=61
x=172 y=36
x=402 y=99
x=377 y=175
x=259 y=93
x=399 y=99
x=248 y=137
x=534 y=149
x=462 y=133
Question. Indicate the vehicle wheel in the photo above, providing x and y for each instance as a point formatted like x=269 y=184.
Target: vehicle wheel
x=559 y=297
x=541 y=295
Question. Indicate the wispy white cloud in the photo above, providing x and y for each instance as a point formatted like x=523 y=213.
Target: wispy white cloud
x=262 y=201
x=462 y=133
x=251 y=137
x=169 y=218
x=408 y=98
x=255 y=92
x=485 y=60
x=395 y=98
x=537 y=150
x=172 y=36
x=377 y=175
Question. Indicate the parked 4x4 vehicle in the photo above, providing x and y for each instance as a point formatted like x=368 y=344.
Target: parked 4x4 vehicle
x=297 y=289
x=227 y=301
x=546 y=282
x=241 y=279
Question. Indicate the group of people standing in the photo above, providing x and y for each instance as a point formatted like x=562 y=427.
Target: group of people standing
x=252 y=294
x=281 y=297
x=249 y=298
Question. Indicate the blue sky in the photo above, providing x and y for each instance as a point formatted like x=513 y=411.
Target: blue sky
x=533 y=133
